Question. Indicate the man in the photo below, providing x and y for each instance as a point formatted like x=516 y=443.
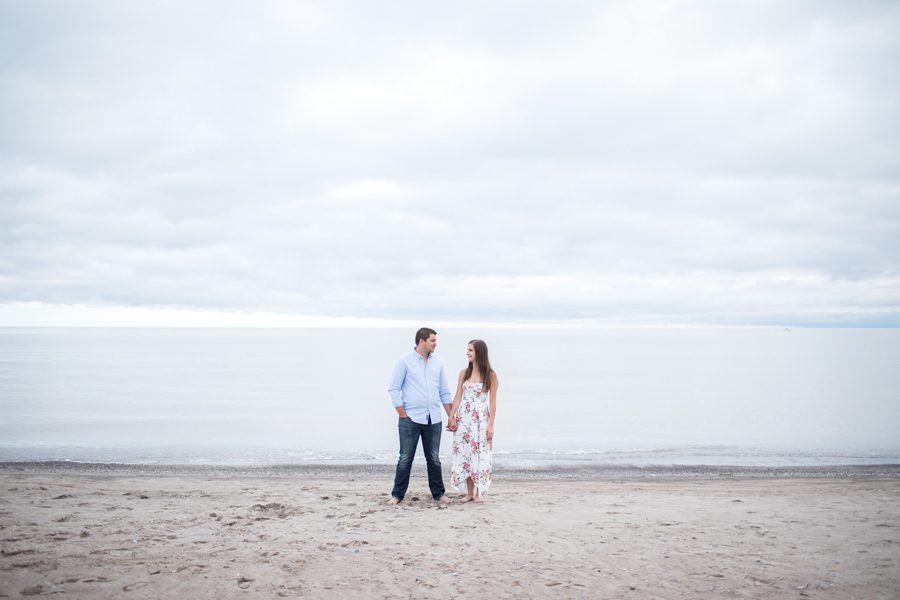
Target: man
x=418 y=388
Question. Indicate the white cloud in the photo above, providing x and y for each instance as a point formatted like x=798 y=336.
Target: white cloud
x=648 y=162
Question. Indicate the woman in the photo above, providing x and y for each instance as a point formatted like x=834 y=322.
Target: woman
x=472 y=421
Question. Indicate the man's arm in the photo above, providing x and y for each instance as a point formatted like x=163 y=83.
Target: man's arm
x=445 y=391
x=397 y=377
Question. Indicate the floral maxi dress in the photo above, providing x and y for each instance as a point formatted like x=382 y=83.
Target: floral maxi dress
x=472 y=453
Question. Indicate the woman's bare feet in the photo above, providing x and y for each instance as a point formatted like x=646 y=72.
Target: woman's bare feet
x=466 y=499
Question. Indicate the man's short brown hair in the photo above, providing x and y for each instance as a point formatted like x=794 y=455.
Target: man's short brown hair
x=424 y=334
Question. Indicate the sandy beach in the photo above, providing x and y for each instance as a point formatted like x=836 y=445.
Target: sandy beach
x=90 y=532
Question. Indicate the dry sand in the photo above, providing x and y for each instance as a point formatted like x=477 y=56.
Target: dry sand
x=188 y=533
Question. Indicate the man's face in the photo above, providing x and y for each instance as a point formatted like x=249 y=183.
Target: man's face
x=430 y=343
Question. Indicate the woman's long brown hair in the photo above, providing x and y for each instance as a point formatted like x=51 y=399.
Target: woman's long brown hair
x=484 y=365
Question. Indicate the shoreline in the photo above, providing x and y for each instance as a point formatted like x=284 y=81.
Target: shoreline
x=550 y=471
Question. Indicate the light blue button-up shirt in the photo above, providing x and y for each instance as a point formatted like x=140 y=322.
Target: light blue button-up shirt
x=419 y=387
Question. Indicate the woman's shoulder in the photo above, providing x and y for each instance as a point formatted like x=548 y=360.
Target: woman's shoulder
x=462 y=373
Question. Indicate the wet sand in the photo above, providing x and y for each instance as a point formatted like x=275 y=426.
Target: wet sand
x=103 y=531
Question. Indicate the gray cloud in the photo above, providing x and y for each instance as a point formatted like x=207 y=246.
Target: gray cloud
x=648 y=162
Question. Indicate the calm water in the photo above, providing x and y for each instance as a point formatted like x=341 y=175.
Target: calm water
x=639 y=396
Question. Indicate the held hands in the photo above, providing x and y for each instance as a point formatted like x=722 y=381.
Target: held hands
x=451 y=424
x=490 y=435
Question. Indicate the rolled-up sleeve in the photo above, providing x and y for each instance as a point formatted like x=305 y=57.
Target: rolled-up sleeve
x=396 y=383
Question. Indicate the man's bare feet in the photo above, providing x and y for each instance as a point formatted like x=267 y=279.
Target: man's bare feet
x=445 y=500
x=394 y=500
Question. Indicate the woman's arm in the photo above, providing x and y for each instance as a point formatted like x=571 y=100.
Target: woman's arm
x=492 y=407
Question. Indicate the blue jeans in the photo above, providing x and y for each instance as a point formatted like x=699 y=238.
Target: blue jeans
x=410 y=431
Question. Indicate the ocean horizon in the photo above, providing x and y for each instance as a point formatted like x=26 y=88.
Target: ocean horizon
x=596 y=396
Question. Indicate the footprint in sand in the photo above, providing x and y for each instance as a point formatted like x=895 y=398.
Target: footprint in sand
x=35 y=590
x=133 y=586
x=64 y=518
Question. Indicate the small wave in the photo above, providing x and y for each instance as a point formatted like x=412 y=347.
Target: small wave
x=267 y=456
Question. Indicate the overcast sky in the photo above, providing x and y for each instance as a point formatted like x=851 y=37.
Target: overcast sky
x=630 y=162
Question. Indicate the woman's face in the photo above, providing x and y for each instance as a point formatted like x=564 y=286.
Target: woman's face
x=470 y=353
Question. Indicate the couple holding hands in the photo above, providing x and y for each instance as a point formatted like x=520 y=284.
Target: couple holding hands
x=418 y=388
